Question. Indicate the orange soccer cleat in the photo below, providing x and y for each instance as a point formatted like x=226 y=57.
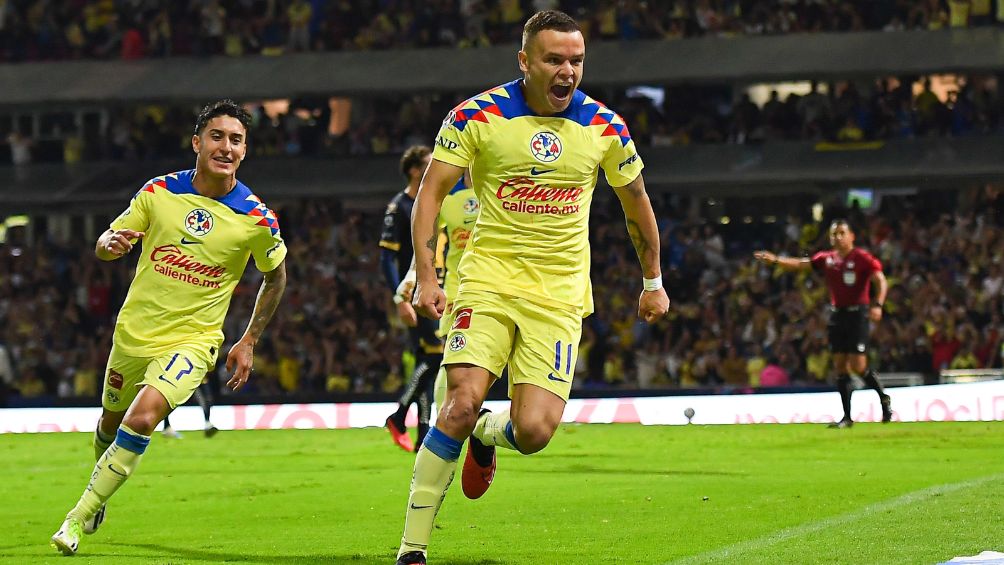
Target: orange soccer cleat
x=399 y=435
x=479 y=467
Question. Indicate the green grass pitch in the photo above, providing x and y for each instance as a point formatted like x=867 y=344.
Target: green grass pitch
x=873 y=494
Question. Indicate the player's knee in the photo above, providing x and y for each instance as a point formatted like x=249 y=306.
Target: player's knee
x=534 y=436
x=142 y=422
x=460 y=412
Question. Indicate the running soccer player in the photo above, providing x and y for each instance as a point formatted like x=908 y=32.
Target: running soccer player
x=534 y=147
x=849 y=272
x=198 y=227
x=395 y=258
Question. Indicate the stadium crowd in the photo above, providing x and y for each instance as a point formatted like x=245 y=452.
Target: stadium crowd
x=842 y=112
x=733 y=323
x=33 y=30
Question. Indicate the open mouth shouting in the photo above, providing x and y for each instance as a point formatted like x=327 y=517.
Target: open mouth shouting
x=560 y=94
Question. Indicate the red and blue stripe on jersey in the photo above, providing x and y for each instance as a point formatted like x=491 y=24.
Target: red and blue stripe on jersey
x=240 y=199
x=507 y=102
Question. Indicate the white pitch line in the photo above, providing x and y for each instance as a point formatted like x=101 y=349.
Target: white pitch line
x=736 y=550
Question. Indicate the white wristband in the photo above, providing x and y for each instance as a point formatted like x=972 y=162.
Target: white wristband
x=398 y=299
x=652 y=284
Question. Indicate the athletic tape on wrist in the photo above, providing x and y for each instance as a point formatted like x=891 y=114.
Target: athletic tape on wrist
x=652 y=284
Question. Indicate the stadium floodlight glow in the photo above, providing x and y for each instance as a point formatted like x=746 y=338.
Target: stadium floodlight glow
x=724 y=220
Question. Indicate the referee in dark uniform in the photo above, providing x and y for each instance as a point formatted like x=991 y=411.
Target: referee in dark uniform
x=395 y=259
x=849 y=272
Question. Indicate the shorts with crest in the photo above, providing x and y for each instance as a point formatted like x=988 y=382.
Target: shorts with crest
x=537 y=343
x=175 y=374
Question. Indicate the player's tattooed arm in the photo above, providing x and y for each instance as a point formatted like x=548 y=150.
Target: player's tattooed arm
x=637 y=238
x=429 y=299
x=439 y=178
x=431 y=244
x=269 y=295
x=641 y=225
x=240 y=360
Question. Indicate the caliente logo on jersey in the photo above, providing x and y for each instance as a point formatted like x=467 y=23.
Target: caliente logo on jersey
x=545 y=146
x=199 y=222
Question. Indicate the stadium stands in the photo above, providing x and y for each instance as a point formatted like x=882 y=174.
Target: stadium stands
x=849 y=112
x=37 y=30
x=730 y=319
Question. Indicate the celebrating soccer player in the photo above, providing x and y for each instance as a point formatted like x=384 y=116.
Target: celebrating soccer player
x=395 y=258
x=534 y=146
x=198 y=227
x=849 y=272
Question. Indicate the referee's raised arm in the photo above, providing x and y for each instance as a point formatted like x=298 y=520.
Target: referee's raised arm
x=787 y=263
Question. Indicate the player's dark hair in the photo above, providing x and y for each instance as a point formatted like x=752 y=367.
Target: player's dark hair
x=225 y=107
x=548 y=19
x=843 y=222
x=413 y=158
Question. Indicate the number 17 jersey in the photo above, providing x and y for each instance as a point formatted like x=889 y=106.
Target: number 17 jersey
x=192 y=257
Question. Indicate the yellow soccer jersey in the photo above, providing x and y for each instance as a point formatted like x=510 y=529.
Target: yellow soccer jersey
x=534 y=177
x=193 y=255
x=457 y=218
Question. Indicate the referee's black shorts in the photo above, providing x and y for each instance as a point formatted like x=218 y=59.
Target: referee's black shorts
x=848 y=328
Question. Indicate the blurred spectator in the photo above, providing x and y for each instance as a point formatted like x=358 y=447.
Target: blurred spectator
x=774 y=374
x=299 y=14
x=20 y=148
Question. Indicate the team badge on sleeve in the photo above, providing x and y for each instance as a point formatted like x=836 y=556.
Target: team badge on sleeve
x=199 y=222
x=545 y=146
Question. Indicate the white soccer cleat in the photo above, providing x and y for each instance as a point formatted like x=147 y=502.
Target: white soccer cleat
x=92 y=525
x=68 y=537
x=171 y=433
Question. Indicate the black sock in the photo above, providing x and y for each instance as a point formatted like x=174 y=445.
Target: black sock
x=204 y=398
x=398 y=417
x=873 y=383
x=844 y=387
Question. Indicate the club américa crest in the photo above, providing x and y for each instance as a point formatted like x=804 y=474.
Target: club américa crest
x=199 y=222
x=545 y=146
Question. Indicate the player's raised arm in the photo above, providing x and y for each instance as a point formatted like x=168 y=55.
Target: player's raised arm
x=115 y=243
x=787 y=263
x=644 y=232
x=241 y=356
x=429 y=299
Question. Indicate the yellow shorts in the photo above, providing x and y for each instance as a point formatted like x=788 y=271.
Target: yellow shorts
x=175 y=374
x=538 y=344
